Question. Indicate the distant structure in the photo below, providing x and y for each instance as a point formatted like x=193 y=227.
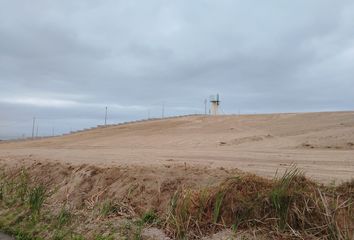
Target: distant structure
x=163 y=111
x=105 y=117
x=215 y=102
x=33 y=125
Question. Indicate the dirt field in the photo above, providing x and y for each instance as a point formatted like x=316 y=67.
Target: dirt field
x=110 y=181
x=322 y=144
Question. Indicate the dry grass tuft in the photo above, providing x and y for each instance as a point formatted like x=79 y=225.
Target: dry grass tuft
x=290 y=205
x=287 y=207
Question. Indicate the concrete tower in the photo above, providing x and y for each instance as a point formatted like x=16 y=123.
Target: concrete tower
x=215 y=102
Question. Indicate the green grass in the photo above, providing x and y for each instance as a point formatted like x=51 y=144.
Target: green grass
x=131 y=230
x=217 y=207
x=22 y=186
x=59 y=235
x=149 y=217
x=101 y=237
x=21 y=206
x=281 y=195
x=36 y=199
x=203 y=200
x=25 y=236
x=1 y=192
x=179 y=213
x=108 y=208
x=64 y=217
x=77 y=237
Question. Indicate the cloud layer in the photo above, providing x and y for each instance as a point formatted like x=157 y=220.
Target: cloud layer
x=64 y=61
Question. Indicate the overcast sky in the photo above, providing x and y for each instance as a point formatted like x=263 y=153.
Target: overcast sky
x=63 y=61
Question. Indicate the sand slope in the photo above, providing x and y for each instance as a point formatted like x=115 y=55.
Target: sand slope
x=322 y=144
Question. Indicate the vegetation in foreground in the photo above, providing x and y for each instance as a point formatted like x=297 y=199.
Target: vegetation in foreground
x=287 y=207
x=284 y=208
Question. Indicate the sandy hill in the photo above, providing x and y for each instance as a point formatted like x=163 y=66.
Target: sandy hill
x=322 y=144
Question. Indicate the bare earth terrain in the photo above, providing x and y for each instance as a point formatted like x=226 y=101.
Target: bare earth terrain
x=148 y=179
x=321 y=144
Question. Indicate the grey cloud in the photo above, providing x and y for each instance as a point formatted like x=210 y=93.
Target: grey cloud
x=261 y=56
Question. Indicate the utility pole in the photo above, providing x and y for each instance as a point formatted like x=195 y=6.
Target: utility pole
x=53 y=131
x=163 y=110
x=37 y=132
x=149 y=114
x=34 y=122
x=105 y=117
x=205 y=106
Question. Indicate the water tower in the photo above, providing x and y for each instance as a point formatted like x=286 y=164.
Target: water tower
x=215 y=102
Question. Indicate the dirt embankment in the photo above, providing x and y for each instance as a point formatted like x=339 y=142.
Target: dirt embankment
x=177 y=201
x=143 y=187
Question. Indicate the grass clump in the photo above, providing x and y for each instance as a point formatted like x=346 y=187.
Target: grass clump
x=289 y=205
x=36 y=199
x=77 y=237
x=59 y=235
x=149 y=217
x=64 y=217
x=194 y=213
x=108 y=208
x=281 y=195
x=24 y=236
x=218 y=203
x=180 y=213
x=111 y=208
x=22 y=186
x=14 y=189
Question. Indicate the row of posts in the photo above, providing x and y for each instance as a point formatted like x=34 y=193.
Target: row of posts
x=35 y=127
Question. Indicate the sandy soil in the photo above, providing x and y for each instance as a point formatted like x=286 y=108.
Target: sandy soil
x=322 y=144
